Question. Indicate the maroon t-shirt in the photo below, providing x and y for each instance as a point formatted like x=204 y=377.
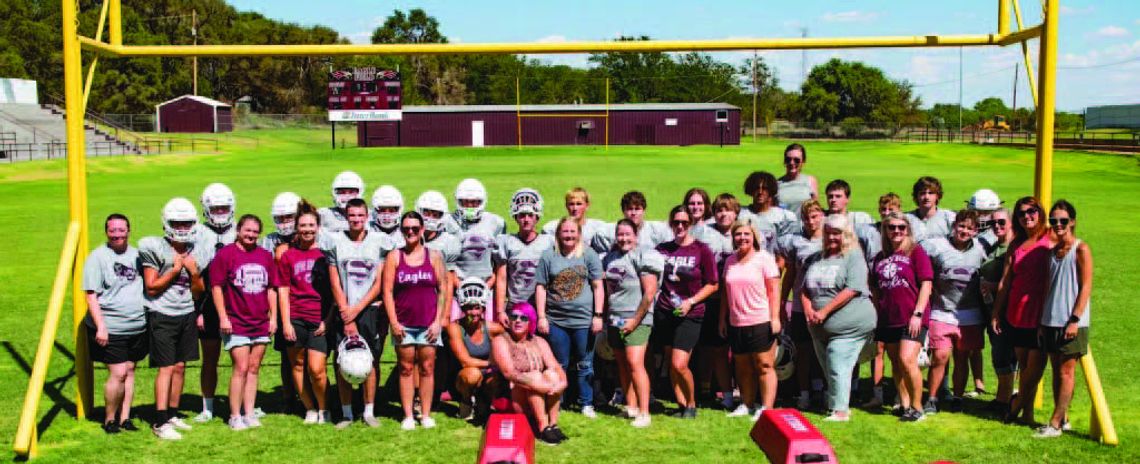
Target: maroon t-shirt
x=295 y=270
x=245 y=278
x=687 y=269
x=897 y=278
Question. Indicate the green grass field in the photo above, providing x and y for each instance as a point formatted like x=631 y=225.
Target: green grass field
x=1105 y=189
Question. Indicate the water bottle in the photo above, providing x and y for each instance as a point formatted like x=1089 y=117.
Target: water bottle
x=616 y=321
x=677 y=301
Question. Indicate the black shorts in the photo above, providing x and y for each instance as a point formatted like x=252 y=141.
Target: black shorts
x=681 y=333
x=210 y=323
x=372 y=324
x=710 y=326
x=119 y=349
x=173 y=339
x=306 y=339
x=895 y=335
x=798 y=328
x=751 y=338
x=1053 y=341
x=1021 y=338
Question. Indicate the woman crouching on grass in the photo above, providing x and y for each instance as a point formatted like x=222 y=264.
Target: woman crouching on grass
x=244 y=289
x=537 y=379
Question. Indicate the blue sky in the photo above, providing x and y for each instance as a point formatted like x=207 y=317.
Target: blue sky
x=1099 y=48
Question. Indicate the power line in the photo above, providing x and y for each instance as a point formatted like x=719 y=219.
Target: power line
x=1102 y=65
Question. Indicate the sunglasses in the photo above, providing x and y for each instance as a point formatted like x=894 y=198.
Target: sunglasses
x=1064 y=222
x=517 y=317
x=1028 y=211
x=678 y=222
x=410 y=230
x=791 y=160
x=896 y=227
x=999 y=222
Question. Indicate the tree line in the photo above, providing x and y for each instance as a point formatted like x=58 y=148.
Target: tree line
x=833 y=92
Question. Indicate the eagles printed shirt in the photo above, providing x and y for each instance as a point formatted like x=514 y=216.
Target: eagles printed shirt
x=957 y=281
x=357 y=263
x=115 y=280
x=649 y=235
x=477 y=244
x=333 y=220
x=521 y=259
x=157 y=253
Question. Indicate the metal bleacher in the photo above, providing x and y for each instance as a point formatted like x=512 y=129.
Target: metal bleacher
x=33 y=132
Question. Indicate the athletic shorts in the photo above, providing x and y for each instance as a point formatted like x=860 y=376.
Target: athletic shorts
x=1022 y=338
x=944 y=336
x=710 y=326
x=1001 y=353
x=897 y=334
x=681 y=333
x=417 y=336
x=1053 y=341
x=372 y=324
x=173 y=339
x=751 y=338
x=119 y=349
x=210 y=323
x=639 y=337
x=306 y=339
x=232 y=341
x=798 y=328
x=973 y=338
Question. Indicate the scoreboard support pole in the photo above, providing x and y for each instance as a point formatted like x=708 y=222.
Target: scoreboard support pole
x=332 y=124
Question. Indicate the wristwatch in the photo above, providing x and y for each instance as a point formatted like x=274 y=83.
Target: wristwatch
x=917 y=314
x=1074 y=319
x=598 y=315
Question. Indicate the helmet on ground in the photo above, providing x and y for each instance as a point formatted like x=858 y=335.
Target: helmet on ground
x=217 y=195
x=470 y=189
x=785 y=358
x=180 y=211
x=284 y=212
x=388 y=196
x=526 y=201
x=354 y=359
x=984 y=200
x=347 y=180
x=602 y=348
x=867 y=354
x=472 y=291
x=432 y=200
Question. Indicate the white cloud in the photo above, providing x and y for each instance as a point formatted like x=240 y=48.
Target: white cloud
x=1076 y=11
x=1112 y=31
x=850 y=16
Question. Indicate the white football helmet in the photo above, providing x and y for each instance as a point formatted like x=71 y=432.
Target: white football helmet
x=984 y=200
x=218 y=195
x=432 y=200
x=526 y=200
x=180 y=210
x=284 y=212
x=388 y=196
x=472 y=290
x=354 y=359
x=347 y=180
x=785 y=358
x=470 y=189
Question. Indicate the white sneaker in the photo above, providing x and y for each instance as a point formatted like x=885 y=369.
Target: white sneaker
x=371 y=421
x=756 y=413
x=324 y=417
x=589 y=412
x=642 y=421
x=179 y=424
x=204 y=416
x=237 y=423
x=837 y=416
x=166 y=432
x=311 y=417
x=632 y=413
x=427 y=422
x=409 y=423
x=258 y=413
x=251 y=421
x=465 y=411
x=344 y=424
x=740 y=411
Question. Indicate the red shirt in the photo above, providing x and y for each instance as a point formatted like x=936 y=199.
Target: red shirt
x=1027 y=288
x=898 y=278
x=245 y=278
x=295 y=270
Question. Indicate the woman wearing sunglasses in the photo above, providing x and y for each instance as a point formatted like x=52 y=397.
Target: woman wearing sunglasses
x=795 y=186
x=537 y=380
x=1020 y=298
x=902 y=280
x=1065 y=318
x=1001 y=350
x=415 y=287
x=689 y=278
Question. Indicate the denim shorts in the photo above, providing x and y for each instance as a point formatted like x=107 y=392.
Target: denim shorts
x=417 y=336
x=232 y=341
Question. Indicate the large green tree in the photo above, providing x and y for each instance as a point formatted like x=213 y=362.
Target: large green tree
x=839 y=89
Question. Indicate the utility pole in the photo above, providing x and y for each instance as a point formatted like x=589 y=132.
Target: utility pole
x=803 y=57
x=755 y=95
x=194 y=33
x=1013 y=115
x=961 y=84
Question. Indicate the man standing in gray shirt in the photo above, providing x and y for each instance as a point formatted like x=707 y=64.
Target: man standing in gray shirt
x=116 y=321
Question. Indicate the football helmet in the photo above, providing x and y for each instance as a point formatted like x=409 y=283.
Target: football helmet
x=470 y=189
x=432 y=200
x=347 y=180
x=526 y=200
x=180 y=210
x=388 y=196
x=214 y=196
x=284 y=212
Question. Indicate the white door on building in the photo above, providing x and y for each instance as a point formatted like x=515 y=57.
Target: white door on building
x=476 y=133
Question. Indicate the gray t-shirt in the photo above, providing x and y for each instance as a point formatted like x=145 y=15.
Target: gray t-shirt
x=521 y=260
x=796 y=248
x=271 y=240
x=448 y=247
x=720 y=244
x=770 y=225
x=870 y=240
x=649 y=235
x=957 y=294
x=623 y=272
x=357 y=263
x=477 y=244
x=937 y=226
x=590 y=230
x=333 y=220
x=823 y=279
x=115 y=280
x=858 y=219
x=394 y=235
x=569 y=297
x=157 y=253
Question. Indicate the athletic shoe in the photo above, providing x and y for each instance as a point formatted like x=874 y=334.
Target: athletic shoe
x=631 y=413
x=324 y=417
x=912 y=415
x=204 y=417
x=371 y=421
x=129 y=426
x=409 y=423
x=179 y=424
x=466 y=412
x=258 y=413
x=641 y=421
x=558 y=433
x=237 y=423
x=838 y=416
x=111 y=428
x=427 y=422
x=972 y=394
x=686 y=413
x=930 y=406
x=589 y=412
x=873 y=403
x=1066 y=426
x=740 y=411
x=416 y=408
x=549 y=437
x=166 y=432
x=898 y=410
x=344 y=424
x=756 y=413
x=1047 y=431
x=311 y=417
x=251 y=421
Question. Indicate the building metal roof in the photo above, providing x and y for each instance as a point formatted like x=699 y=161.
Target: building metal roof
x=600 y=108
x=199 y=99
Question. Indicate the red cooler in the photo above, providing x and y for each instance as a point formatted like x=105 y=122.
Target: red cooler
x=507 y=438
x=787 y=437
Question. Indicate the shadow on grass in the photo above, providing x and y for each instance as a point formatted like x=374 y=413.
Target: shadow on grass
x=52 y=388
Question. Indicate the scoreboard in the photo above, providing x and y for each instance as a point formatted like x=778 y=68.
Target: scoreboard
x=365 y=94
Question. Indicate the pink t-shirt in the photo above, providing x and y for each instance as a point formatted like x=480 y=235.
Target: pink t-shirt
x=295 y=270
x=747 y=295
x=1027 y=288
x=245 y=278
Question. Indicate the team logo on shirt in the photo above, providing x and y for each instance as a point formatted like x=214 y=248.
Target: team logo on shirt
x=889 y=269
x=683 y=265
x=127 y=273
x=251 y=278
x=359 y=270
x=414 y=277
x=303 y=270
x=181 y=283
x=821 y=276
x=522 y=273
x=476 y=246
x=568 y=284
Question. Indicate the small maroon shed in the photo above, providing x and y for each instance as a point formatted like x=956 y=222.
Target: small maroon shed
x=630 y=124
x=193 y=113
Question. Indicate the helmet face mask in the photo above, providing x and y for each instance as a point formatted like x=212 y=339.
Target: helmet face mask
x=286 y=224
x=178 y=221
x=526 y=201
x=470 y=199
x=472 y=291
x=218 y=205
x=346 y=186
x=284 y=212
x=354 y=359
x=388 y=204
x=433 y=207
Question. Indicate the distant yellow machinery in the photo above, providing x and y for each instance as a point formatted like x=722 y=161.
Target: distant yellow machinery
x=996 y=123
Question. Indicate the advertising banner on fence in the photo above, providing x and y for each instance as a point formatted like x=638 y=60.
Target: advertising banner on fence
x=365 y=115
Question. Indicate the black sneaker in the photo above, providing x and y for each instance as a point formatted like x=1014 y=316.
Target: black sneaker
x=111 y=428
x=128 y=425
x=898 y=410
x=549 y=436
x=558 y=432
x=685 y=413
x=912 y=415
x=930 y=406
